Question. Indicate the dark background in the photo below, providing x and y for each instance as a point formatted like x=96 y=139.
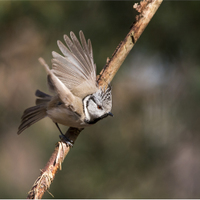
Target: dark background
x=151 y=148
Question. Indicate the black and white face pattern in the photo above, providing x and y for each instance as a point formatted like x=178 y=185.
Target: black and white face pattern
x=98 y=105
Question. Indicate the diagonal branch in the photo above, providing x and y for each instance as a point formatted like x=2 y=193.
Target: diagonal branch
x=146 y=8
x=48 y=173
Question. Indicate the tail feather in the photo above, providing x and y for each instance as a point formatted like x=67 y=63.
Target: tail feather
x=31 y=116
x=41 y=94
x=34 y=114
x=32 y=110
x=43 y=97
x=41 y=101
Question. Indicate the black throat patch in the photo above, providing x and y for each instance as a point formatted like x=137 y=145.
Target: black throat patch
x=96 y=119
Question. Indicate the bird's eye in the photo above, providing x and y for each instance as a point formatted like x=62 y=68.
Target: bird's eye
x=99 y=107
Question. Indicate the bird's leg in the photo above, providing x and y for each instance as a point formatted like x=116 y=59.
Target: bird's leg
x=64 y=138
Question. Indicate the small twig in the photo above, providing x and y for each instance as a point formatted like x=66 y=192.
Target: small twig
x=147 y=9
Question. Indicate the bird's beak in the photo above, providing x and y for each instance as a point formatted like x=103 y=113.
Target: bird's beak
x=110 y=114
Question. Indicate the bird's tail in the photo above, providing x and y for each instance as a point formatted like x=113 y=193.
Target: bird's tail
x=33 y=114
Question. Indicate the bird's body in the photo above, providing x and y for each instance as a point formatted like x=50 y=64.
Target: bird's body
x=77 y=101
x=66 y=115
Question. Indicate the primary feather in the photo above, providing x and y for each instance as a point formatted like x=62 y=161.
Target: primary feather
x=76 y=69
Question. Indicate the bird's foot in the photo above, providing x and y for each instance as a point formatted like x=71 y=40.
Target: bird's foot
x=66 y=140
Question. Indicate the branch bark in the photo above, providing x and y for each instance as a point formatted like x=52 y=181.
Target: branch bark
x=146 y=8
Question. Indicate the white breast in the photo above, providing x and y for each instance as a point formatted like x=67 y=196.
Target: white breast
x=66 y=117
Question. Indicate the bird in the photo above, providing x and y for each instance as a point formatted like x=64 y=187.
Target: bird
x=77 y=100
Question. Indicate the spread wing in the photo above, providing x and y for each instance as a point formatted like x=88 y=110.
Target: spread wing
x=76 y=69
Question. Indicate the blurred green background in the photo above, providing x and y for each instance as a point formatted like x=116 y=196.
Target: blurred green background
x=151 y=148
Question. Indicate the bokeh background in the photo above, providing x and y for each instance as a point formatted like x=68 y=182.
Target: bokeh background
x=151 y=148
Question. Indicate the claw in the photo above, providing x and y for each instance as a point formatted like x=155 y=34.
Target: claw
x=66 y=140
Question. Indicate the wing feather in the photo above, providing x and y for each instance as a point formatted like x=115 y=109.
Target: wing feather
x=76 y=69
x=67 y=65
x=90 y=49
x=85 y=54
x=77 y=52
x=57 y=85
x=69 y=55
